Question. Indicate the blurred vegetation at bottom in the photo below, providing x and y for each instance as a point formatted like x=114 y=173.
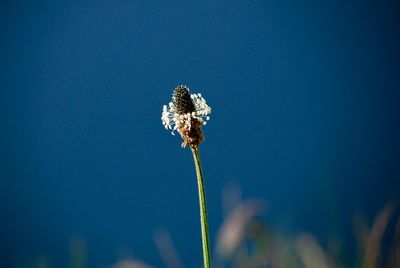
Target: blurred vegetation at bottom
x=245 y=240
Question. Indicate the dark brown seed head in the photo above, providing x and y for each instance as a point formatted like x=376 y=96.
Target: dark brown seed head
x=183 y=102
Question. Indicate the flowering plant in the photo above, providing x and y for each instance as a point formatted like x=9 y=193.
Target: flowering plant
x=186 y=114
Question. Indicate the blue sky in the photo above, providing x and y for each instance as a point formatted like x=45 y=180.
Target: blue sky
x=305 y=115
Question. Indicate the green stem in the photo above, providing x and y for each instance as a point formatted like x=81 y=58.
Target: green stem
x=203 y=208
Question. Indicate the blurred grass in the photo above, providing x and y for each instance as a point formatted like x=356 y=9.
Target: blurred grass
x=256 y=245
x=245 y=240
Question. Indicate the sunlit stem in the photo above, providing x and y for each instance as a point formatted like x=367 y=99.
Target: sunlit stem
x=203 y=208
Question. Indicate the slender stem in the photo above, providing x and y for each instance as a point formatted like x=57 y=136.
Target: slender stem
x=203 y=208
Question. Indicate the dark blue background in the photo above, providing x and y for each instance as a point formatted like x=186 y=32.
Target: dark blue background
x=305 y=99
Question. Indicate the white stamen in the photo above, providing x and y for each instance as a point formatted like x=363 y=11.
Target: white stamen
x=174 y=121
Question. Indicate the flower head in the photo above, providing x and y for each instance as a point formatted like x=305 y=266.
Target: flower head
x=186 y=113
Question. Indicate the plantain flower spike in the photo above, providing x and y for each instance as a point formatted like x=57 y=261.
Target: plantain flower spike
x=186 y=113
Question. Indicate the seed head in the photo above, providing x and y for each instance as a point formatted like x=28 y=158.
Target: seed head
x=186 y=113
x=183 y=102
